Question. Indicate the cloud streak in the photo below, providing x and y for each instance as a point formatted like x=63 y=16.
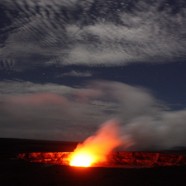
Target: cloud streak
x=74 y=73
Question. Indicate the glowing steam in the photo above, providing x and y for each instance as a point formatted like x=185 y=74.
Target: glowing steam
x=96 y=148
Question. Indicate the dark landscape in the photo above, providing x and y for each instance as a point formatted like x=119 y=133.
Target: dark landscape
x=99 y=84
x=15 y=171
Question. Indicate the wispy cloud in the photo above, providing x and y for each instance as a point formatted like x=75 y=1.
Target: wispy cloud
x=93 y=33
x=74 y=73
x=52 y=111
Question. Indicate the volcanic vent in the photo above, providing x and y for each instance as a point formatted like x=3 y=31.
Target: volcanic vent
x=98 y=151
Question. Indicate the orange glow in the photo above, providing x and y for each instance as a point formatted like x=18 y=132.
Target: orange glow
x=82 y=159
x=95 y=149
x=85 y=157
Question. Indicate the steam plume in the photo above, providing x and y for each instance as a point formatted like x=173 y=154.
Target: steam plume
x=102 y=143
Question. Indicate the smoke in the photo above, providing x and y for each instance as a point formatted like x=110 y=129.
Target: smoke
x=165 y=130
x=106 y=139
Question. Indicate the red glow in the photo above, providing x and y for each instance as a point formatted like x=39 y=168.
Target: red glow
x=95 y=149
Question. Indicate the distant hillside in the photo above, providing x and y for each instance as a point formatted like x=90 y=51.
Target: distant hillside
x=11 y=145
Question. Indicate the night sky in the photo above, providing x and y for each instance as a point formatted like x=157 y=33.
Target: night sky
x=67 y=66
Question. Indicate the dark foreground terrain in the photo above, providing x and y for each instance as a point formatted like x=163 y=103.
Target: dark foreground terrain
x=23 y=174
x=15 y=172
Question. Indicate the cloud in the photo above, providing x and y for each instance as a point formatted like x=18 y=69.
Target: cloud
x=93 y=33
x=74 y=73
x=22 y=87
x=37 y=99
x=56 y=112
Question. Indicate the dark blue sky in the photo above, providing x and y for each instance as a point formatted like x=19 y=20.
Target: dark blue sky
x=70 y=64
x=166 y=81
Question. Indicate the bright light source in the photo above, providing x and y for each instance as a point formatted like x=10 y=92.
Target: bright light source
x=81 y=160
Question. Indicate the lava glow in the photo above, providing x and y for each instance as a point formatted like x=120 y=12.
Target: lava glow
x=95 y=149
x=82 y=159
